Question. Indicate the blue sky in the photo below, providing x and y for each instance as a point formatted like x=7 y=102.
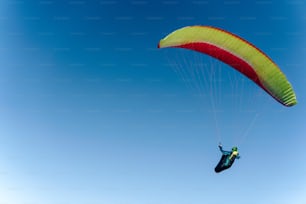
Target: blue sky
x=91 y=111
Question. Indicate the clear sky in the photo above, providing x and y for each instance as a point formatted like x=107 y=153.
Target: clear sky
x=92 y=112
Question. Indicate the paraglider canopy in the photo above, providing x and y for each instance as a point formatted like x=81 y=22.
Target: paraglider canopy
x=239 y=54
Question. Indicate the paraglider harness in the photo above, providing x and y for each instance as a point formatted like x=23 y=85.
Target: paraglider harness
x=227 y=159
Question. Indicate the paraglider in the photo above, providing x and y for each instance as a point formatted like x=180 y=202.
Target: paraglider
x=240 y=55
x=227 y=159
